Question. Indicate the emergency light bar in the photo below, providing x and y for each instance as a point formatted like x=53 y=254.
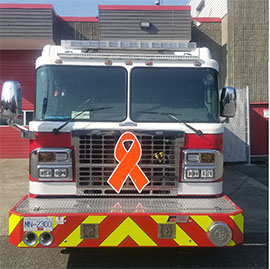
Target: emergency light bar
x=129 y=45
x=127 y=56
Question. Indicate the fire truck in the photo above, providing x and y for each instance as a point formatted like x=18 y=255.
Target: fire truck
x=126 y=148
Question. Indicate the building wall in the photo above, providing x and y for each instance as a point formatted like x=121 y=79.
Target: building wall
x=209 y=8
x=20 y=65
x=167 y=23
x=24 y=23
x=17 y=65
x=248 y=47
x=208 y=34
x=80 y=29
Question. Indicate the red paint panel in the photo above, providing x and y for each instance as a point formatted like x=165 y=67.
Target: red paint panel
x=45 y=140
x=62 y=231
x=17 y=235
x=148 y=225
x=201 y=19
x=107 y=226
x=12 y=145
x=81 y=19
x=128 y=242
x=197 y=234
x=127 y=7
x=207 y=141
x=30 y=6
x=259 y=129
x=237 y=235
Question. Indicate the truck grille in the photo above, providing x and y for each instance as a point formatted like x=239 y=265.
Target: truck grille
x=95 y=162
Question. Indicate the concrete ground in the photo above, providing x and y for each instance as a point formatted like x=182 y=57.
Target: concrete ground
x=246 y=185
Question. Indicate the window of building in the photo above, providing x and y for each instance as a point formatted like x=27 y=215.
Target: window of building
x=200 y=7
x=27 y=116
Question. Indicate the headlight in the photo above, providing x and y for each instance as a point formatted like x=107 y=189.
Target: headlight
x=51 y=164
x=45 y=172
x=202 y=165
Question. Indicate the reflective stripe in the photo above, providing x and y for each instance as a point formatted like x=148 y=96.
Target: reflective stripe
x=73 y=239
x=239 y=221
x=182 y=238
x=13 y=222
x=203 y=221
x=231 y=244
x=128 y=228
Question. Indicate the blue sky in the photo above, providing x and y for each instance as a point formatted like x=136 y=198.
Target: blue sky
x=89 y=8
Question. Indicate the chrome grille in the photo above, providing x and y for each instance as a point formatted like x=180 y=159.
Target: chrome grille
x=95 y=161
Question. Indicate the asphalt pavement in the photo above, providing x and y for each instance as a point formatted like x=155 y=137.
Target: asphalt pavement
x=246 y=185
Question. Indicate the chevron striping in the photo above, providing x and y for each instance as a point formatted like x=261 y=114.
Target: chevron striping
x=14 y=220
x=203 y=221
x=73 y=239
x=182 y=238
x=239 y=221
x=128 y=228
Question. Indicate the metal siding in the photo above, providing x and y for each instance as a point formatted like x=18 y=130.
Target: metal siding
x=20 y=65
x=12 y=145
x=213 y=8
x=78 y=30
x=26 y=23
x=17 y=65
x=171 y=24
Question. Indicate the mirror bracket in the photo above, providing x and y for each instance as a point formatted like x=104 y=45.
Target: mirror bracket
x=25 y=133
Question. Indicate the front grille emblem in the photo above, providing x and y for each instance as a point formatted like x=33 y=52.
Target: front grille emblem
x=128 y=159
x=160 y=156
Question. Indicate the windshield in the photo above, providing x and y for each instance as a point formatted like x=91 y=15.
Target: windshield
x=65 y=91
x=191 y=94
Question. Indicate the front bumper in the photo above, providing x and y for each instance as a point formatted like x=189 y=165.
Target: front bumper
x=127 y=222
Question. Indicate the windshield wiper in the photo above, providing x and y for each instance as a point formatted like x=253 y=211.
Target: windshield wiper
x=173 y=116
x=57 y=130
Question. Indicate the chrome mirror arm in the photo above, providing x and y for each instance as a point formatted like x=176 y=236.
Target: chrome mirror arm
x=25 y=133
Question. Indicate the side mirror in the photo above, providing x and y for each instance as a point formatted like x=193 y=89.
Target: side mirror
x=228 y=102
x=11 y=100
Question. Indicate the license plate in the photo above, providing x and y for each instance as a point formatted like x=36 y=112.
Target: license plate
x=38 y=224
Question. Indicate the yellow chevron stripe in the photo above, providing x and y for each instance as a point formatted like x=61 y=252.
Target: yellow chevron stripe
x=13 y=222
x=128 y=228
x=231 y=244
x=203 y=221
x=73 y=239
x=182 y=238
x=239 y=221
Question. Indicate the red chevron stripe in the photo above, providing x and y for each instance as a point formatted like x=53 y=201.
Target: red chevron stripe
x=237 y=235
x=107 y=226
x=128 y=242
x=195 y=232
x=16 y=236
x=150 y=227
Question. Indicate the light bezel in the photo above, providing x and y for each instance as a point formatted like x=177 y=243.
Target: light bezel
x=200 y=169
x=188 y=163
x=58 y=163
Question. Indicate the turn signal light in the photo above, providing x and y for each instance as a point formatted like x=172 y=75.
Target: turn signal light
x=46 y=157
x=207 y=157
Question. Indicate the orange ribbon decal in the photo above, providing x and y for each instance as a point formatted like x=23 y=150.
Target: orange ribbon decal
x=128 y=164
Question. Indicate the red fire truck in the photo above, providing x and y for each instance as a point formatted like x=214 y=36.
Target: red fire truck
x=126 y=148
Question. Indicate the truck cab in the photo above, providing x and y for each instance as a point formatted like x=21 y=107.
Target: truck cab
x=126 y=148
